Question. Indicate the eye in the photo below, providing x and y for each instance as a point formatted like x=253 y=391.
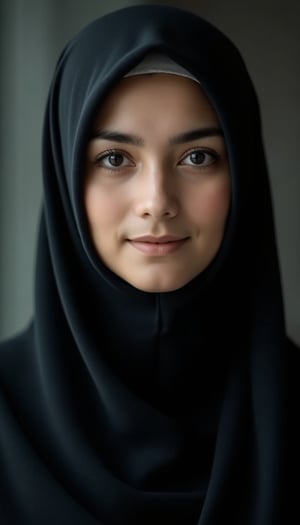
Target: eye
x=200 y=158
x=113 y=160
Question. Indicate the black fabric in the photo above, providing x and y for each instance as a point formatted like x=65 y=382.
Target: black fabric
x=125 y=407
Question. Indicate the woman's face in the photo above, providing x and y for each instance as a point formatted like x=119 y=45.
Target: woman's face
x=157 y=182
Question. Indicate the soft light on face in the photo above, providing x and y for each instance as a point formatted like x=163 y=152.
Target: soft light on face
x=157 y=183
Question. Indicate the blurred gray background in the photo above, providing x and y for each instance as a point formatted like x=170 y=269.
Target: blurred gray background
x=32 y=34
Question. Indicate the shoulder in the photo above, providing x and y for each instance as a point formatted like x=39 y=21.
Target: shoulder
x=16 y=343
x=292 y=346
x=293 y=376
x=293 y=359
x=15 y=357
x=291 y=427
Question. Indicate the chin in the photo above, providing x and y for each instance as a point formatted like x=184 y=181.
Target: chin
x=159 y=285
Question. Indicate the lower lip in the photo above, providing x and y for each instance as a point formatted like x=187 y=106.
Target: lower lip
x=157 y=249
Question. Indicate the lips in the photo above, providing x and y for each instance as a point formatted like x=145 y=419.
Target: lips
x=157 y=246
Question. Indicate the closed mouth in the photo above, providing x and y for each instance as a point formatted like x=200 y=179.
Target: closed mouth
x=158 y=240
x=158 y=246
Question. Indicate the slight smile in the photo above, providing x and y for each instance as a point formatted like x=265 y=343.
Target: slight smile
x=157 y=246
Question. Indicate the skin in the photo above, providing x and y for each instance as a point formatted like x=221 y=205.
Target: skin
x=151 y=180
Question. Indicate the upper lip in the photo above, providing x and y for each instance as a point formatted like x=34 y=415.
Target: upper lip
x=160 y=239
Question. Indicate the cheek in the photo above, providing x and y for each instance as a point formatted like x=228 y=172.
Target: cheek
x=211 y=205
x=101 y=209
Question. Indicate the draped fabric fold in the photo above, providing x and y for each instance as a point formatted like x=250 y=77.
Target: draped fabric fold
x=126 y=407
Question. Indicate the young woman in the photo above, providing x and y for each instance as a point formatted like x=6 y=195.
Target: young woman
x=156 y=383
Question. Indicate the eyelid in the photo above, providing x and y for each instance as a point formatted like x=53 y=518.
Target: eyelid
x=100 y=157
x=209 y=151
x=104 y=154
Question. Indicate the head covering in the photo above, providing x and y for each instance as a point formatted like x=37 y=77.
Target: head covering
x=155 y=62
x=126 y=407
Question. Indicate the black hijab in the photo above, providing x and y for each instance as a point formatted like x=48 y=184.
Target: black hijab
x=125 y=407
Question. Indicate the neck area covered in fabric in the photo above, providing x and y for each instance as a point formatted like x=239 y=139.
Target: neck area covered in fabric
x=159 y=398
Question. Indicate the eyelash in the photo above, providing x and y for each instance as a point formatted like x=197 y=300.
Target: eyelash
x=204 y=151
x=105 y=155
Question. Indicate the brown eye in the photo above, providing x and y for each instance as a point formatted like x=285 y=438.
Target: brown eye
x=113 y=160
x=200 y=158
x=197 y=157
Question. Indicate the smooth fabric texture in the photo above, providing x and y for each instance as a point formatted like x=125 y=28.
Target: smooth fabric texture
x=123 y=407
x=155 y=62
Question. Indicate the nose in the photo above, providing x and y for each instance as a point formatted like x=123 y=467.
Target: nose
x=157 y=195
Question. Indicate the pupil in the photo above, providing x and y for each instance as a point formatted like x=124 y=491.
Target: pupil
x=116 y=159
x=197 y=157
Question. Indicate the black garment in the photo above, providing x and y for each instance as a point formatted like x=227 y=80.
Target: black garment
x=125 y=407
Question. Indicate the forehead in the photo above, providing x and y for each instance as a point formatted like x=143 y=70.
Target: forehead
x=159 y=95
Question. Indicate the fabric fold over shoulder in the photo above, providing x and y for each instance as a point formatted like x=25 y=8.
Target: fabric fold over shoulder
x=124 y=407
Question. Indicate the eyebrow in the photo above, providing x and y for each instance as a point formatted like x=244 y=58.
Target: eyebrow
x=187 y=136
